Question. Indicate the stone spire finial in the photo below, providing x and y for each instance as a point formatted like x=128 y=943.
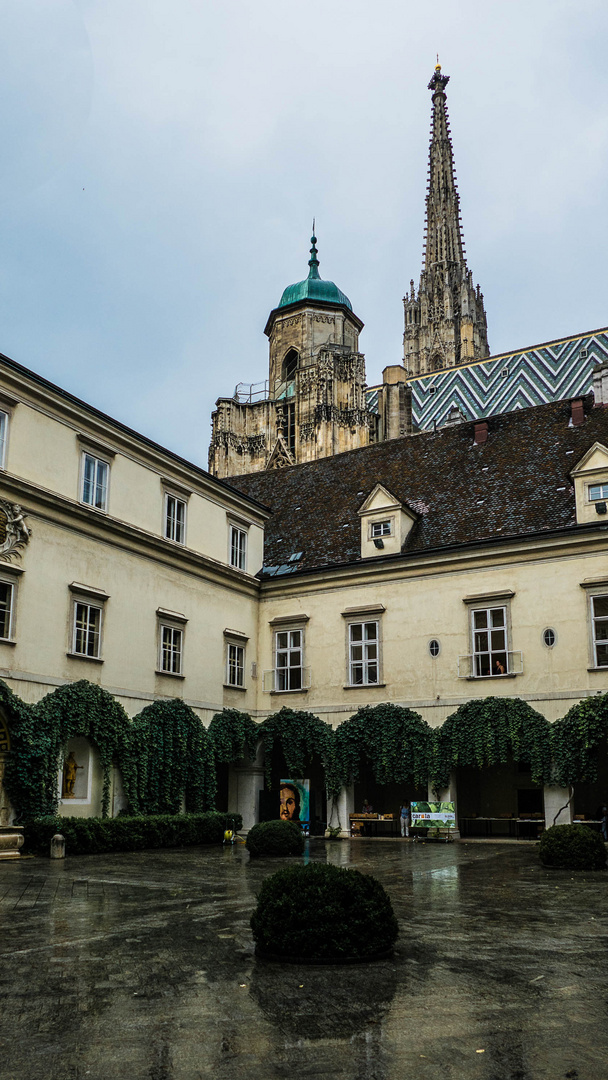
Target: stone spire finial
x=313 y=262
x=445 y=323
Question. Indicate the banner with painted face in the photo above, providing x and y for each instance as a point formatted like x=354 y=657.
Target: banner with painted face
x=294 y=796
x=434 y=815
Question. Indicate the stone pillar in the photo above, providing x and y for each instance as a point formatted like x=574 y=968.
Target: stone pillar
x=559 y=805
x=11 y=839
x=339 y=810
x=449 y=794
x=245 y=781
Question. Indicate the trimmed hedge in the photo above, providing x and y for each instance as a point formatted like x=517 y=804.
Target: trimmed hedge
x=275 y=838
x=92 y=836
x=572 y=847
x=322 y=912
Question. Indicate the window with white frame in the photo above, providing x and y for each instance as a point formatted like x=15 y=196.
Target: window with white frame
x=381 y=528
x=363 y=653
x=490 y=649
x=3 y=437
x=238 y=547
x=289 y=657
x=86 y=638
x=6 y=610
x=599 y=608
x=598 y=492
x=95 y=474
x=235 y=664
x=171 y=649
x=175 y=519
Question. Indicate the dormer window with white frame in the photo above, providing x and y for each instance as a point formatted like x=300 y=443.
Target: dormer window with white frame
x=590 y=476
x=385 y=523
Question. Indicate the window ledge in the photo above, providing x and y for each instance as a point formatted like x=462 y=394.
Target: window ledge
x=81 y=656
x=95 y=509
x=604 y=667
x=7 y=641
x=170 y=674
x=487 y=678
x=304 y=690
x=364 y=686
x=242 y=689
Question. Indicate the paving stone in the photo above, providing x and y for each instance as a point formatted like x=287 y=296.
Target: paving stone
x=132 y=966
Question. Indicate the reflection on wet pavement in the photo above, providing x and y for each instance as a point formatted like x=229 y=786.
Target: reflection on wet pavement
x=141 y=966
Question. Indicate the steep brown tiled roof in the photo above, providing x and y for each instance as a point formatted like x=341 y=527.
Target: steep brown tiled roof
x=514 y=484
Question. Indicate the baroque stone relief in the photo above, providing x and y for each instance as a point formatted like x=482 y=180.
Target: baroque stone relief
x=14 y=533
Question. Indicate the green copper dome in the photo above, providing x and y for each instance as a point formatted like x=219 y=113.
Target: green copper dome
x=313 y=287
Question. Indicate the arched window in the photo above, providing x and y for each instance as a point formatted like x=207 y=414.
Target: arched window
x=290 y=364
x=437 y=362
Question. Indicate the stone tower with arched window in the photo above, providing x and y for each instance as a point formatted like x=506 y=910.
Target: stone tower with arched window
x=313 y=404
x=445 y=321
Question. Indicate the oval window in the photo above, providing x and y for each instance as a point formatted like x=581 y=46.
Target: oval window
x=549 y=637
x=434 y=647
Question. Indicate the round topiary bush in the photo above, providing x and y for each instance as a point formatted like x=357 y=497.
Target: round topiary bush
x=572 y=847
x=323 y=913
x=275 y=838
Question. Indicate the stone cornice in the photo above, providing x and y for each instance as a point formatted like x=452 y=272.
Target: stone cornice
x=570 y=543
x=68 y=514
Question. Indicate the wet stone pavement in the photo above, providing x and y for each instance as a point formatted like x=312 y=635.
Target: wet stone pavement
x=141 y=967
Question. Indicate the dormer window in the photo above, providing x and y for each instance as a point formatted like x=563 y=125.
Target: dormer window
x=598 y=491
x=381 y=528
x=385 y=524
x=590 y=476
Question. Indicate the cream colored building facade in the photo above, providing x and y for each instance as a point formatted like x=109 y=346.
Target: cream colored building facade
x=125 y=565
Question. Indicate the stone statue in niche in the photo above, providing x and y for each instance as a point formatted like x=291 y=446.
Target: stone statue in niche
x=14 y=533
x=70 y=768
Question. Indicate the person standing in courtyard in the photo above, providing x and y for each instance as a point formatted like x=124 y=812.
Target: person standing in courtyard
x=405 y=819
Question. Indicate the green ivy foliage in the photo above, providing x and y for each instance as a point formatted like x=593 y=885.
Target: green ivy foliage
x=300 y=735
x=235 y=736
x=491 y=731
x=576 y=739
x=26 y=774
x=80 y=708
x=395 y=741
x=171 y=759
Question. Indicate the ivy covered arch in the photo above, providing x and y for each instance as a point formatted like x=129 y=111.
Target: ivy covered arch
x=234 y=735
x=300 y=735
x=24 y=771
x=396 y=741
x=576 y=740
x=169 y=761
x=488 y=732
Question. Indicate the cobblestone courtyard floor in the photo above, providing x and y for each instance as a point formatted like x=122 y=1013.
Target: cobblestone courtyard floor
x=141 y=967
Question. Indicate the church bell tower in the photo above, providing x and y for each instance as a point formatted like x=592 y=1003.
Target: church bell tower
x=445 y=321
x=313 y=404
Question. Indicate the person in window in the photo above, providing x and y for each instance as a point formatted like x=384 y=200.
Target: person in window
x=367 y=808
x=289 y=803
x=499 y=668
x=405 y=819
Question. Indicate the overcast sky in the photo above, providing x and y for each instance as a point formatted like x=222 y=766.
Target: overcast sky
x=162 y=161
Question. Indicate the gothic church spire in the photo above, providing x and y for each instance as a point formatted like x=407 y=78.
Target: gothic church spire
x=445 y=323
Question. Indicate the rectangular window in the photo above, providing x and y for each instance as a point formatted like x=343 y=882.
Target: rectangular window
x=597 y=492
x=238 y=548
x=175 y=519
x=289 y=654
x=6 y=610
x=87 y=630
x=3 y=434
x=381 y=528
x=490 y=656
x=95 y=482
x=600 y=630
x=235 y=665
x=363 y=655
x=171 y=650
